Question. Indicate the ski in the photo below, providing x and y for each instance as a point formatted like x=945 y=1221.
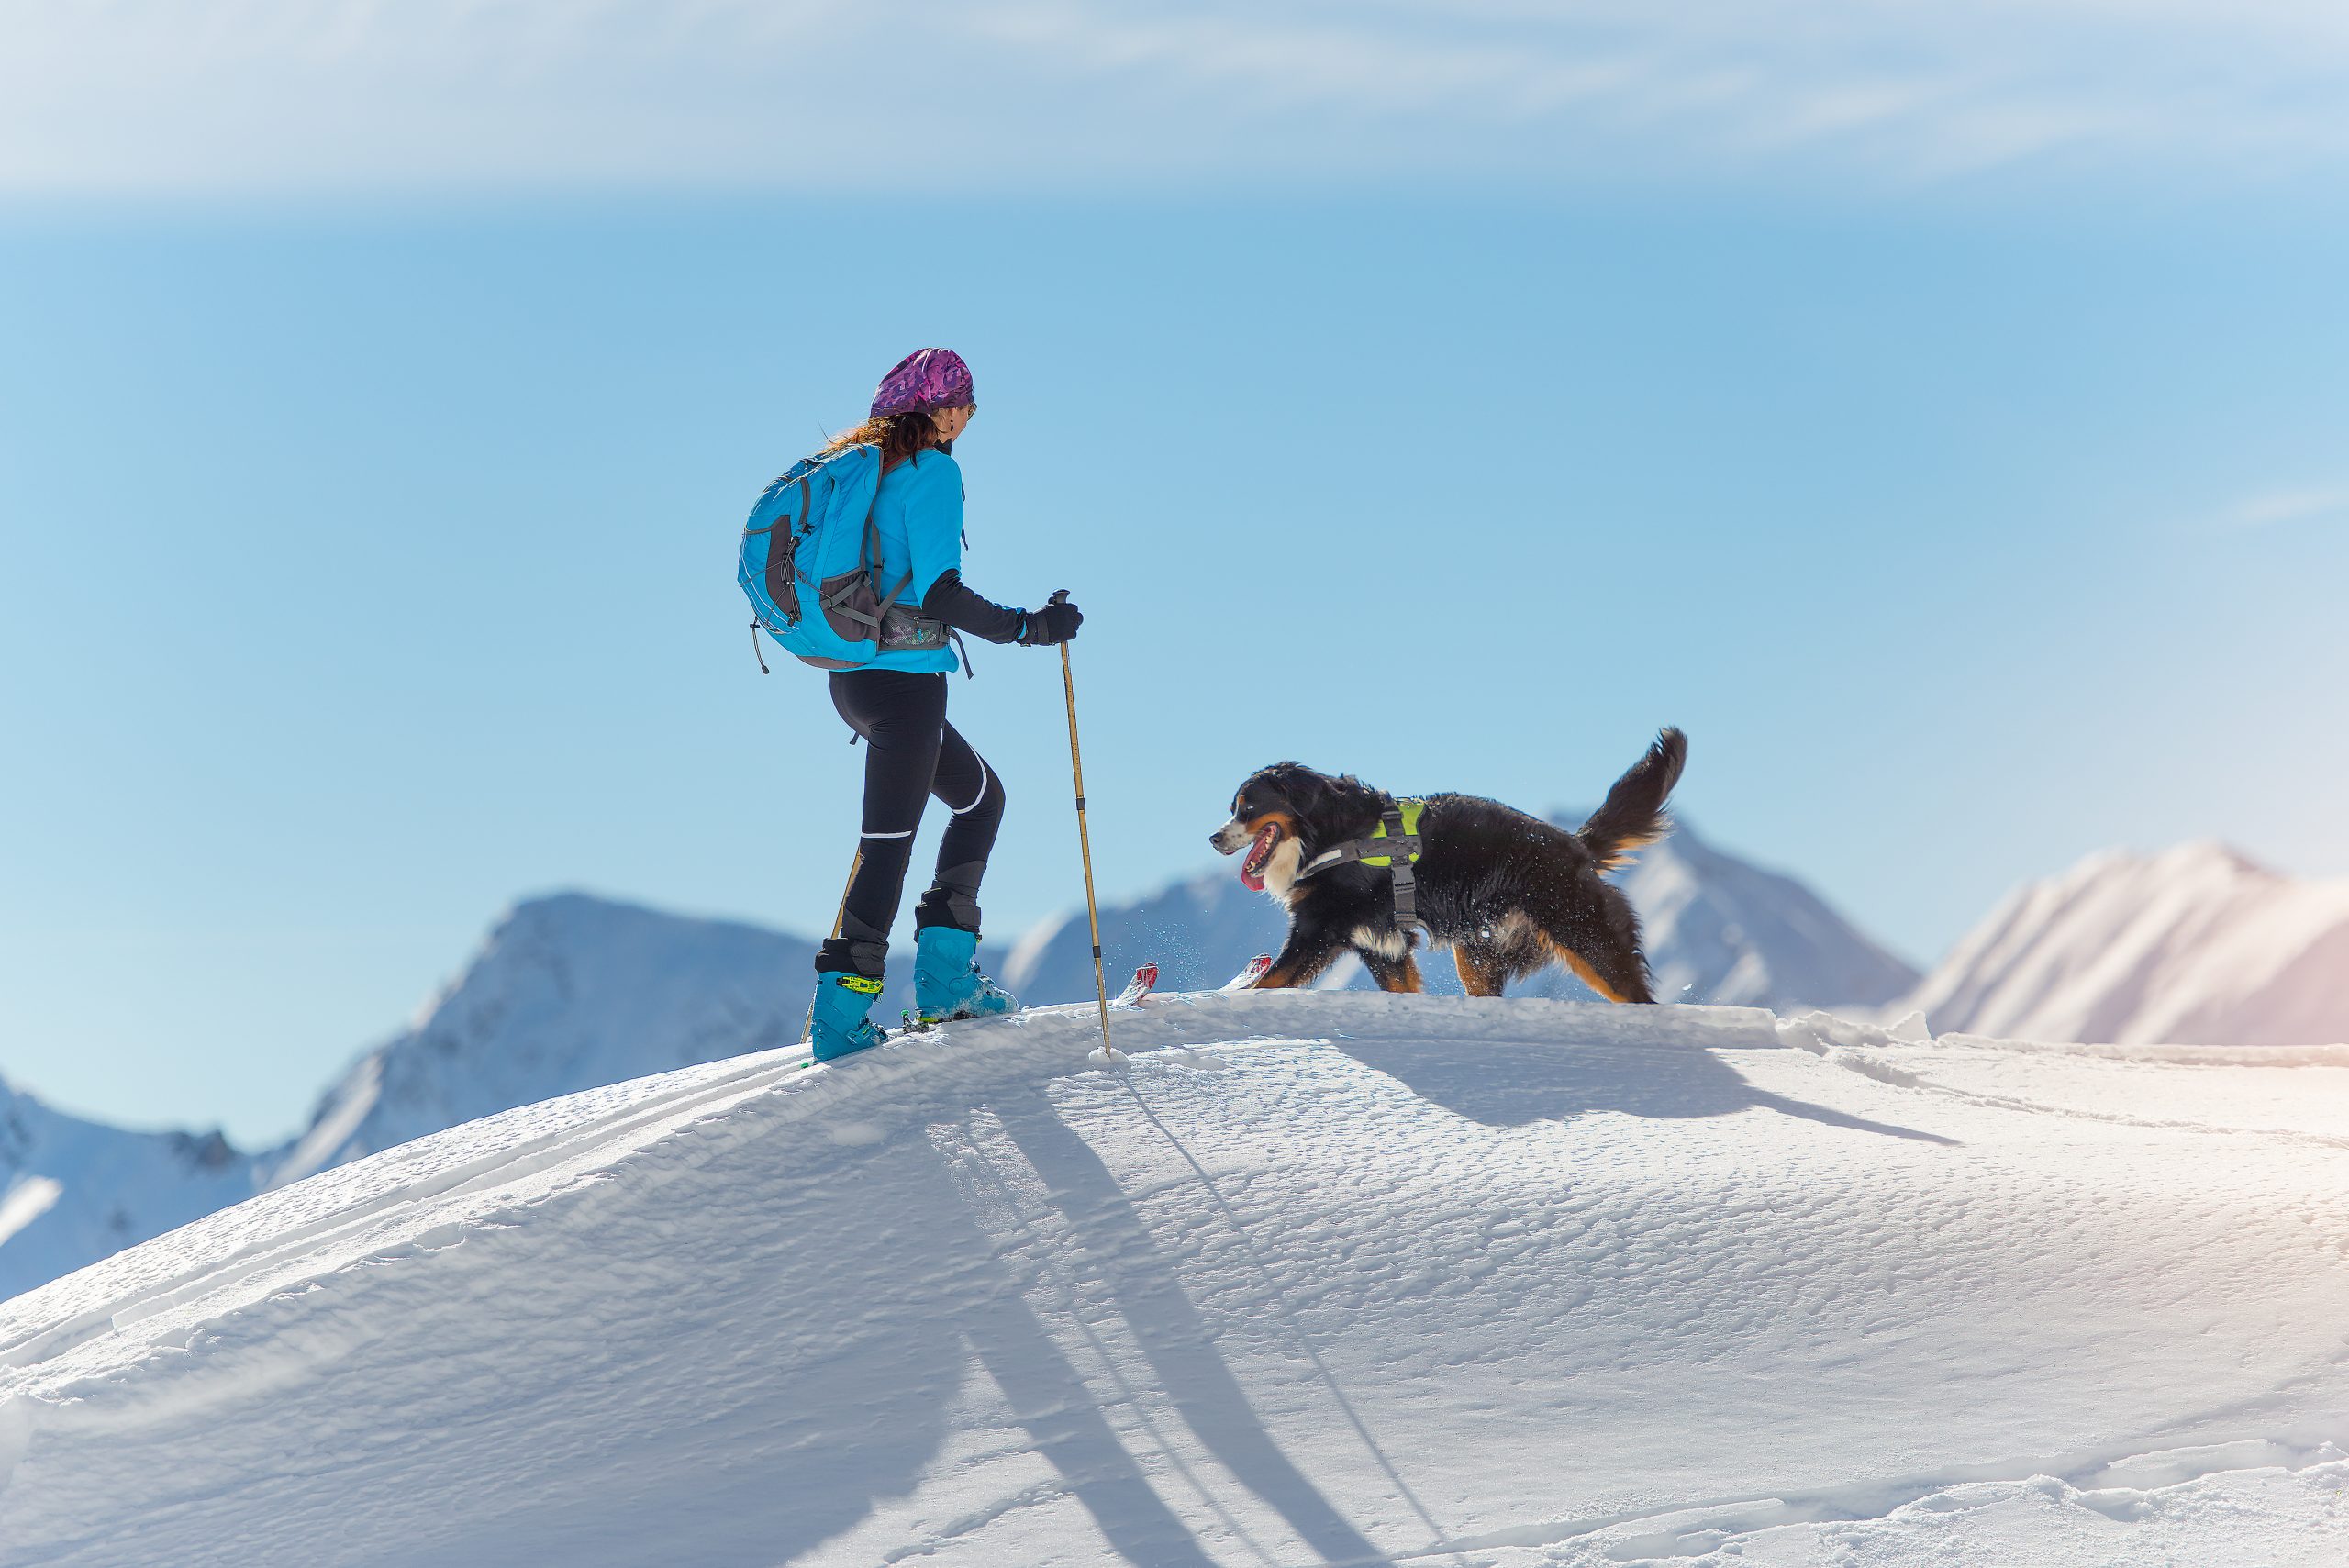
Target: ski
x=1137 y=988
x=1252 y=974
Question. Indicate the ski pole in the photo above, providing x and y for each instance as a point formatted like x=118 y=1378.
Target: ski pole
x=855 y=865
x=1084 y=847
x=839 y=924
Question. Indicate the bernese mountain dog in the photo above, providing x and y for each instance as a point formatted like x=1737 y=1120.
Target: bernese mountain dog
x=1507 y=893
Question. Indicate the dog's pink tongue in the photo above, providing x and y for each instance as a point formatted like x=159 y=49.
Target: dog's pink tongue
x=1251 y=865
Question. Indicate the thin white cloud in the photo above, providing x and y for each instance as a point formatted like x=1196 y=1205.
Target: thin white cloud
x=208 y=95
x=2282 y=506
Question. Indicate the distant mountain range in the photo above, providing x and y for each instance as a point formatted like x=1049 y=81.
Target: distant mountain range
x=568 y=993
x=2194 y=945
x=571 y=992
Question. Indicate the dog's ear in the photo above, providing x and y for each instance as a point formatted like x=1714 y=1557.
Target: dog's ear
x=1248 y=799
x=1302 y=787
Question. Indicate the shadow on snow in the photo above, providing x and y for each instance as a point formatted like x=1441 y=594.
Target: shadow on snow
x=1521 y=1083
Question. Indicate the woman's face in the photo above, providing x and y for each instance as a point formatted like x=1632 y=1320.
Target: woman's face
x=952 y=422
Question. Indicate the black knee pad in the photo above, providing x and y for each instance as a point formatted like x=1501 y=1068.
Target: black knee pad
x=858 y=950
x=953 y=900
x=841 y=956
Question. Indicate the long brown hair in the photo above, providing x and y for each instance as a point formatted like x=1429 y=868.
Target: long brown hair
x=900 y=436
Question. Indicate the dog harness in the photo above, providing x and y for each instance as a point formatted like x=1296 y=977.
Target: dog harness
x=1399 y=830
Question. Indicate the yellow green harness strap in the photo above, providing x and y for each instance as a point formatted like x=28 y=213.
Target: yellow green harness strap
x=1399 y=828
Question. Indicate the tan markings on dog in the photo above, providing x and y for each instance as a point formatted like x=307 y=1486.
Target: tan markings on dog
x=1403 y=976
x=1584 y=973
x=1289 y=826
x=1478 y=976
x=1236 y=834
x=1628 y=850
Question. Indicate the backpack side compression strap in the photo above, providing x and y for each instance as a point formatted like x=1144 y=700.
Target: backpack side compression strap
x=840 y=601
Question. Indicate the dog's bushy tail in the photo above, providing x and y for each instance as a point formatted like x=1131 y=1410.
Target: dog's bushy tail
x=1634 y=813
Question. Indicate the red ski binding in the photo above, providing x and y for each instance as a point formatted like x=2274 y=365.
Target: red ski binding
x=1248 y=977
x=1138 y=987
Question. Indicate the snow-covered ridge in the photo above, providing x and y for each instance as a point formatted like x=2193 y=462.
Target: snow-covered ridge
x=2195 y=946
x=1318 y=1277
x=571 y=992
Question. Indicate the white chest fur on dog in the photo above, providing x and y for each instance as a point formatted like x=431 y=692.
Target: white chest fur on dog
x=1280 y=872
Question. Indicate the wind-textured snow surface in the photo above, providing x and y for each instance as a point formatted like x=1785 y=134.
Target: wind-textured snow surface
x=2195 y=945
x=1314 y=1278
x=1717 y=930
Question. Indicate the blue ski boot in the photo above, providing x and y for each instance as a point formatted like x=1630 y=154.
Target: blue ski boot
x=947 y=982
x=837 y=1025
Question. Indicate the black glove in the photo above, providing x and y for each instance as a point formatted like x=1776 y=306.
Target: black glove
x=1056 y=622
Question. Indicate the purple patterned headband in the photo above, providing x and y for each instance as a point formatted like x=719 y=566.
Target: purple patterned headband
x=923 y=380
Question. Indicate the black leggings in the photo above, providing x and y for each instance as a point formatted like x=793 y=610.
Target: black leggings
x=911 y=753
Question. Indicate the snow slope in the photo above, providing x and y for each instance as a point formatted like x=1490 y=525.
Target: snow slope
x=1717 y=930
x=2195 y=945
x=72 y=1190
x=1317 y=1278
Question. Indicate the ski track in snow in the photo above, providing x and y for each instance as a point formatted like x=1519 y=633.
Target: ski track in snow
x=1315 y=1279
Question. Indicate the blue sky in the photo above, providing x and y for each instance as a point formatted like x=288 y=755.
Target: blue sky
x=1947 y=434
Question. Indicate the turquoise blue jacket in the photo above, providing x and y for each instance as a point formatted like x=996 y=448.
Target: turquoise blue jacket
x=918 y=511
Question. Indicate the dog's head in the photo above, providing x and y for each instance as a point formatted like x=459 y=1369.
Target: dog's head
x=1286 y=804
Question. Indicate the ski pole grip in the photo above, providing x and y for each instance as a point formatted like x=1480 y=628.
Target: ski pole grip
x=1060 y=596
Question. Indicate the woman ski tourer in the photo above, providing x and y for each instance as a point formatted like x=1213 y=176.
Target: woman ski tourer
x=896 y=703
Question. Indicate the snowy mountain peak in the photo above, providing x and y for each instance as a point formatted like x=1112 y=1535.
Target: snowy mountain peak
x=2198 y=861
x=2197 y=944
x=1720 y=930
x=569 y=992
x=2212 y=855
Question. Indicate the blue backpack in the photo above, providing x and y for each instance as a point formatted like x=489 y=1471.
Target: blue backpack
x=810 y=552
